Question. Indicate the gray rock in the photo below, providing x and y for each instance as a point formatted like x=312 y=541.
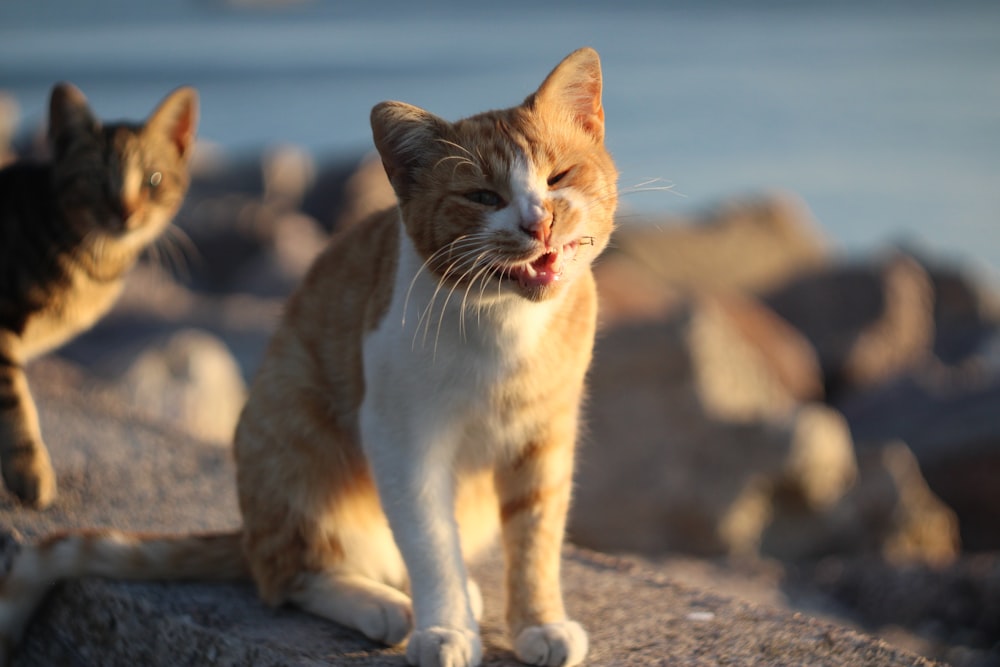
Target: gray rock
x=868 y=322
x=117 y=471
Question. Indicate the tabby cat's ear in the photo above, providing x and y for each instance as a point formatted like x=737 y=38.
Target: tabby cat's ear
x=69 y=113
x=406 y=137
x=574 y=87
x=177 y=119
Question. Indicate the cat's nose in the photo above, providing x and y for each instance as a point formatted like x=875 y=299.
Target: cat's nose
x=536 y=221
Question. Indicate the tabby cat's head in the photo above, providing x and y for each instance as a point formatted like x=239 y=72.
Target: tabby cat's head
x=519 y=200
x=124 y=179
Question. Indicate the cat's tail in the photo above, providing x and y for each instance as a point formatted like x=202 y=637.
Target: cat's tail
x=28 y=572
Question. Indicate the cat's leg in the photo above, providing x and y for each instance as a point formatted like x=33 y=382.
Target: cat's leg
x=27 y=470
x=378 y=611
x=534 y=492
x=417 y=492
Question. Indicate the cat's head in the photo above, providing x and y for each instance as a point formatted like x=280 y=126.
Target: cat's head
x=519 y=200
x=124 y=179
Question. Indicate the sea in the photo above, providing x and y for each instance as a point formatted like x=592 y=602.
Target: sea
x=884 y=116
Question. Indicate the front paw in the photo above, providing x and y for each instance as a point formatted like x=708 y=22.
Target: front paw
x=444 y=647
x=28 y=475
x=552 y=644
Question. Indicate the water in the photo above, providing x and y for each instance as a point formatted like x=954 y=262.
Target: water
x=884 y=116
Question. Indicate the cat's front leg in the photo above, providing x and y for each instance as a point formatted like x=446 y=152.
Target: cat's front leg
x=416 y=486
x=27 y=470
x=534 y=492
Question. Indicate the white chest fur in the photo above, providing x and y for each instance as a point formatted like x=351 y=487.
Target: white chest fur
x=435 y=364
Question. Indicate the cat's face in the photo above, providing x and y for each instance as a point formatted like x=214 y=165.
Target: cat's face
x=124 y=179
x=514 y=201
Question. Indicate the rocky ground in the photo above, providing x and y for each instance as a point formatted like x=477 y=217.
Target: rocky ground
x=768 y=418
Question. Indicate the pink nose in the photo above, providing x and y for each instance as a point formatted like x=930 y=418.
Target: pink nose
x=538 y=223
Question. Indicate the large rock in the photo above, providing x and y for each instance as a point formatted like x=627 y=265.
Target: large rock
x=190 y=381
x=115 y=471
x=747 y=244
x=695 y=435
x=949 y=418
x=890 y=513
x=867 y=321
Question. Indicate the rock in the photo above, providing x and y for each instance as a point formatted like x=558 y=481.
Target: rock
x=116 y=471
x=10 y=115
x=745 y=244
x=288 y=173
x=695 y=436
x=966 y=312
x=949 y=418
x=867 y=322
x=956 y=609
x=890 y=513
x=191 y=382
x=367 y=191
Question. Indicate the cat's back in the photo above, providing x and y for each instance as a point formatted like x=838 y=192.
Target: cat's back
x=316 y=350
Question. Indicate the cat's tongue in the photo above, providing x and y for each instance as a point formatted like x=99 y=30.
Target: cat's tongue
x=543 y=271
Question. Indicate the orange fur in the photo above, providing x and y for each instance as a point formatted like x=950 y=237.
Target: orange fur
x=371 y=463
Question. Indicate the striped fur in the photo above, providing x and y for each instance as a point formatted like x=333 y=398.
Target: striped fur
x=422 y=393
x=70 y=229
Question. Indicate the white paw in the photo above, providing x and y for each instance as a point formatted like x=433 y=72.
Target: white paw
x=553 y=644
x=386 y=621
x=444 y=647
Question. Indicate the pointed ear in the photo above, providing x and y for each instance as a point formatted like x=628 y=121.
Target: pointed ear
x=69 y=112
x=574 y=87
x=177 y=119
x=405 y=137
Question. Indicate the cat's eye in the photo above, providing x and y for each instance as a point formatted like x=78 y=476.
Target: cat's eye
x=557 y=176
x=155 y=179
x=485 y=198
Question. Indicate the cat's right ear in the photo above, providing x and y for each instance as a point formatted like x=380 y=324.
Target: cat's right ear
x=69 y=112
x=405 y=137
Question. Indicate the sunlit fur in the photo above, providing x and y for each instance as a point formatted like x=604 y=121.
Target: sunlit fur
x=423 y=390
x=70 y=229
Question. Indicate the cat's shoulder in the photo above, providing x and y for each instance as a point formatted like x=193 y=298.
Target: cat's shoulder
x=355 y=270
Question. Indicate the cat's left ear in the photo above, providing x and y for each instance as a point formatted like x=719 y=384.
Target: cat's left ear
x=574 y=86
x=406 y=137
x=177 y=119
x=69 y=113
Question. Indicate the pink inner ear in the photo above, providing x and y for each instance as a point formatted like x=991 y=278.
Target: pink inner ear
x=182 y=132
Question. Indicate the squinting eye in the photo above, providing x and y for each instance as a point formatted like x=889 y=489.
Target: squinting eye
x=155 y=179
x=555 y=178
x=485 y=198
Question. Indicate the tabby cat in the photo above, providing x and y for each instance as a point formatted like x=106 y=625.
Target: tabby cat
x=70 y=229
x=422 y=391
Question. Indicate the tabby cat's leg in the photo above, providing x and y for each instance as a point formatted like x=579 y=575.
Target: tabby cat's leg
x=534 y=495
x=27 y=470
x=378 y=611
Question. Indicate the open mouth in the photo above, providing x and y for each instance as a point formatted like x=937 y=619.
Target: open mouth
x=545 y=269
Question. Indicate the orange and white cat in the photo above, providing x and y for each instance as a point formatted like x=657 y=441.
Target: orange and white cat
x=423 y=391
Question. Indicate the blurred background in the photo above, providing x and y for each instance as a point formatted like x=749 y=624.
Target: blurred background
x=884 y=115
x=795 y=386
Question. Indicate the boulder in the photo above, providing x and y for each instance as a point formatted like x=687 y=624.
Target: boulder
x=949 y=418
x=867 y=321
x=889 y=513
x=694 y=433
x=744 y=244
x=190 y=381
x=367 y=191
x=10 y=113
